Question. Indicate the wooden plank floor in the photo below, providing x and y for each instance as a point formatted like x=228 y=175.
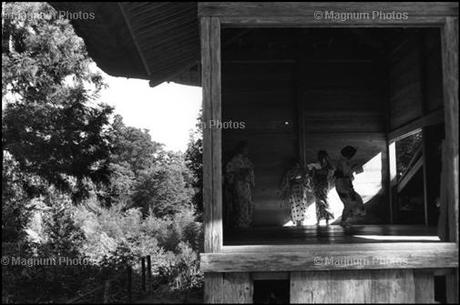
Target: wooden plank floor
x=330 y=235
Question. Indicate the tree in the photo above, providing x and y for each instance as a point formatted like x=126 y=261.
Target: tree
x=63 y=237
x=194 y=161
x=50 y=123
x=133 y=146
x=15 y=213
x=133 y=151
x=162 y=190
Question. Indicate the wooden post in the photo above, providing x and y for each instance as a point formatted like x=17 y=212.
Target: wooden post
x=149 y=273
x=389 y=154
x=212 y=150
x=449 y=39
x=129 y=283
x=393 y=182
x=107 y=292
x=143 y=273
x=299 y=105
x=423 y=92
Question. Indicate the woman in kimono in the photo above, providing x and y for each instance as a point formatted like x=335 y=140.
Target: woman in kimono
x=344 y=176
x=294 y=187
x=240 y=182
x=322 y=175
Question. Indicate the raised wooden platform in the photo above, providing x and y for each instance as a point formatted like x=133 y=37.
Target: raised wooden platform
x=333 y=234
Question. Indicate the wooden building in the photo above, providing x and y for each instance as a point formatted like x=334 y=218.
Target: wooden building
x=304 y=77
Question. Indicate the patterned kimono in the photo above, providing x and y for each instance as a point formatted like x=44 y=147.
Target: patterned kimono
x=321 y=185
x=352 y=201
x=295 y=186
x=240 y=181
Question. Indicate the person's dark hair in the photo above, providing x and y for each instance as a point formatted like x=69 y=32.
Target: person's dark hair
x=348 y=151
x=322 y=154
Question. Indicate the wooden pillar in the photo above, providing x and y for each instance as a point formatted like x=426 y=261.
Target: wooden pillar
x=449 y=39
x=143 y=273
x=149 y=273
x=212 y=150
x=129 y=283
x=423 y=70
x=389 y=154
x=299 y=88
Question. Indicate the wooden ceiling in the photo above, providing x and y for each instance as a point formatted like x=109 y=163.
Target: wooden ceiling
x=158 y=41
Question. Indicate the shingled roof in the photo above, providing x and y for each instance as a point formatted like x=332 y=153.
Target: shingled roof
x=157 y=41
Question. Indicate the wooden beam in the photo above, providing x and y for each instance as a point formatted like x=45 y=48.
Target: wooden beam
x=264 y=276
x=435 y=117
x=337 y=257
x=410 y=174
x=307 y=9
x=417 y=155
x=212 y=138
x=326 y=247
x=303 y=22
x=133 y=37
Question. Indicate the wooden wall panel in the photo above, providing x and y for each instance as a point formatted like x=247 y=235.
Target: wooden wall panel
x=261 y=96
x=432 y=71
x=406 y=85
x=238 y=288
x=424 y=287
x=342 y=105
x=213 y=288
x=415 y=77
x=382 y=286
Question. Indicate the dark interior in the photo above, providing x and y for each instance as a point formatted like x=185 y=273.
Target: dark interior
x=271 y=292
x=308 y=89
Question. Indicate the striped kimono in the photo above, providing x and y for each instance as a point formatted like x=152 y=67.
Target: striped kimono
x=295 y=186
x=240 y=182
x=322 y=176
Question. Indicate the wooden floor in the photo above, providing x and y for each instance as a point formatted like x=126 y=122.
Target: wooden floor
x=330 y=235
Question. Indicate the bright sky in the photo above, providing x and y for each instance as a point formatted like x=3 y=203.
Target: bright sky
x=168 y=110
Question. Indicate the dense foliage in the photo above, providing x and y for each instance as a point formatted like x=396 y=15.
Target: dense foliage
x=78 y=185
